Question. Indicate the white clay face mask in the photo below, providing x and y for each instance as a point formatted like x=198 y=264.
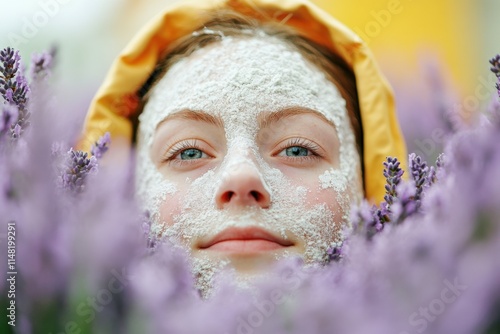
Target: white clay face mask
x=237 y=79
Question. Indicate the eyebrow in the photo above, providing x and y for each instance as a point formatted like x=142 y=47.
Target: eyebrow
x=194 y=115
x=268 y=119
x=265 y=119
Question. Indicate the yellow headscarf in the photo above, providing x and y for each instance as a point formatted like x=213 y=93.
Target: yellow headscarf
x=115 y=101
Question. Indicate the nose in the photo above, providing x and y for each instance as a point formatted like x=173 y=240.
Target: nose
x=242 y=186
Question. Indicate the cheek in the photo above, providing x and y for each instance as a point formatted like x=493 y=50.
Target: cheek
x=172 y=206
x=315 y=193
x=327 y=196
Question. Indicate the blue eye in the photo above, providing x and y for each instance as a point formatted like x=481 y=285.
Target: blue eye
x=296 y=151
x=185 y=153
x=299 y=151
x=191 y=154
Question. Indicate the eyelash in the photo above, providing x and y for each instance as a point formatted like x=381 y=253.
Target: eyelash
x=301 y=142
x=178 y=148
x=192 y=144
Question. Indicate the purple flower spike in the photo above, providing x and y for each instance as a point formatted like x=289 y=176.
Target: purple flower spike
x=431 y=176
x=101 y=146
x=16 y=131
x=361 y=215
x=13 y=84
x=9 y=64
x=407 y=203
x=440 y=161
x=77 y=167
x=41 y=64
x=495 y=62
x=151 y=239
x=393 y=174
x=419 y=172
x=335 y=252
x=8 y=117
x=14 y=88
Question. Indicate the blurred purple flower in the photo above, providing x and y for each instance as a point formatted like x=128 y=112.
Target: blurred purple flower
x=76 y=169
x=431 y=176
x=8 y=118
x=41 y=65
x=151 y=238
x=336 y=252
x=495 y=63
x=369 y=220
x=101 y=146
x=406 y=204
x=361 y=215
x=58 y=149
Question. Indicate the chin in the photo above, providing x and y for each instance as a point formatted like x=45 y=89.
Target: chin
x=248 y=264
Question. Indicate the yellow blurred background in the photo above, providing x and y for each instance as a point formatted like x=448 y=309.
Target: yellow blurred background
x=399 y=31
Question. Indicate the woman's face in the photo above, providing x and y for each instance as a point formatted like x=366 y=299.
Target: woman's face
x=246 y=155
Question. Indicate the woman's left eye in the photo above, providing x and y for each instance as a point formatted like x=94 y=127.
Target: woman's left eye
x=192 y=153
x=299 y=151
x=295 y=151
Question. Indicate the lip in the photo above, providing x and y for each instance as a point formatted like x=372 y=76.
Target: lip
x=245 y=240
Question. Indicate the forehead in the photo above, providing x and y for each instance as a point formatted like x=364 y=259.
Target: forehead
x=240 y=78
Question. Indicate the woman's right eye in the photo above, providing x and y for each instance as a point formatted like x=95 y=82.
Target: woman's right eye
x=185 y=152
x=191 y=154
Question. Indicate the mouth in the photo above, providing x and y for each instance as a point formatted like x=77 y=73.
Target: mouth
x=245 y=240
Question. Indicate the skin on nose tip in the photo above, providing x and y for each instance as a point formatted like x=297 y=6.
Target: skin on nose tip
x=242 y=186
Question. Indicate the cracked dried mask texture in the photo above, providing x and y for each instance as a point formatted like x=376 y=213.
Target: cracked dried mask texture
x=237 y=79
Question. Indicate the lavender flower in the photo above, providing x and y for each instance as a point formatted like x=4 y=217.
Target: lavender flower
x=9 y=66
x=14 y=88
x=76 y=169
x=41 y=64
x=493 y=112
x=431 y=176
x=406 y=204
x=58 y=149
x=335 y=252
x=151 y=240
x=101 y=146
x=393 y=174
x=495 y=62
x=369 y=220
x=8 y=119
x=361 y=215
x=419 y=172
x=440 y=161
x=13 y=84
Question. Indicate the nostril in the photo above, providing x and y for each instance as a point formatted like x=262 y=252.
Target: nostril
x=257 y=195
x=226 y=197
x=242 y=189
